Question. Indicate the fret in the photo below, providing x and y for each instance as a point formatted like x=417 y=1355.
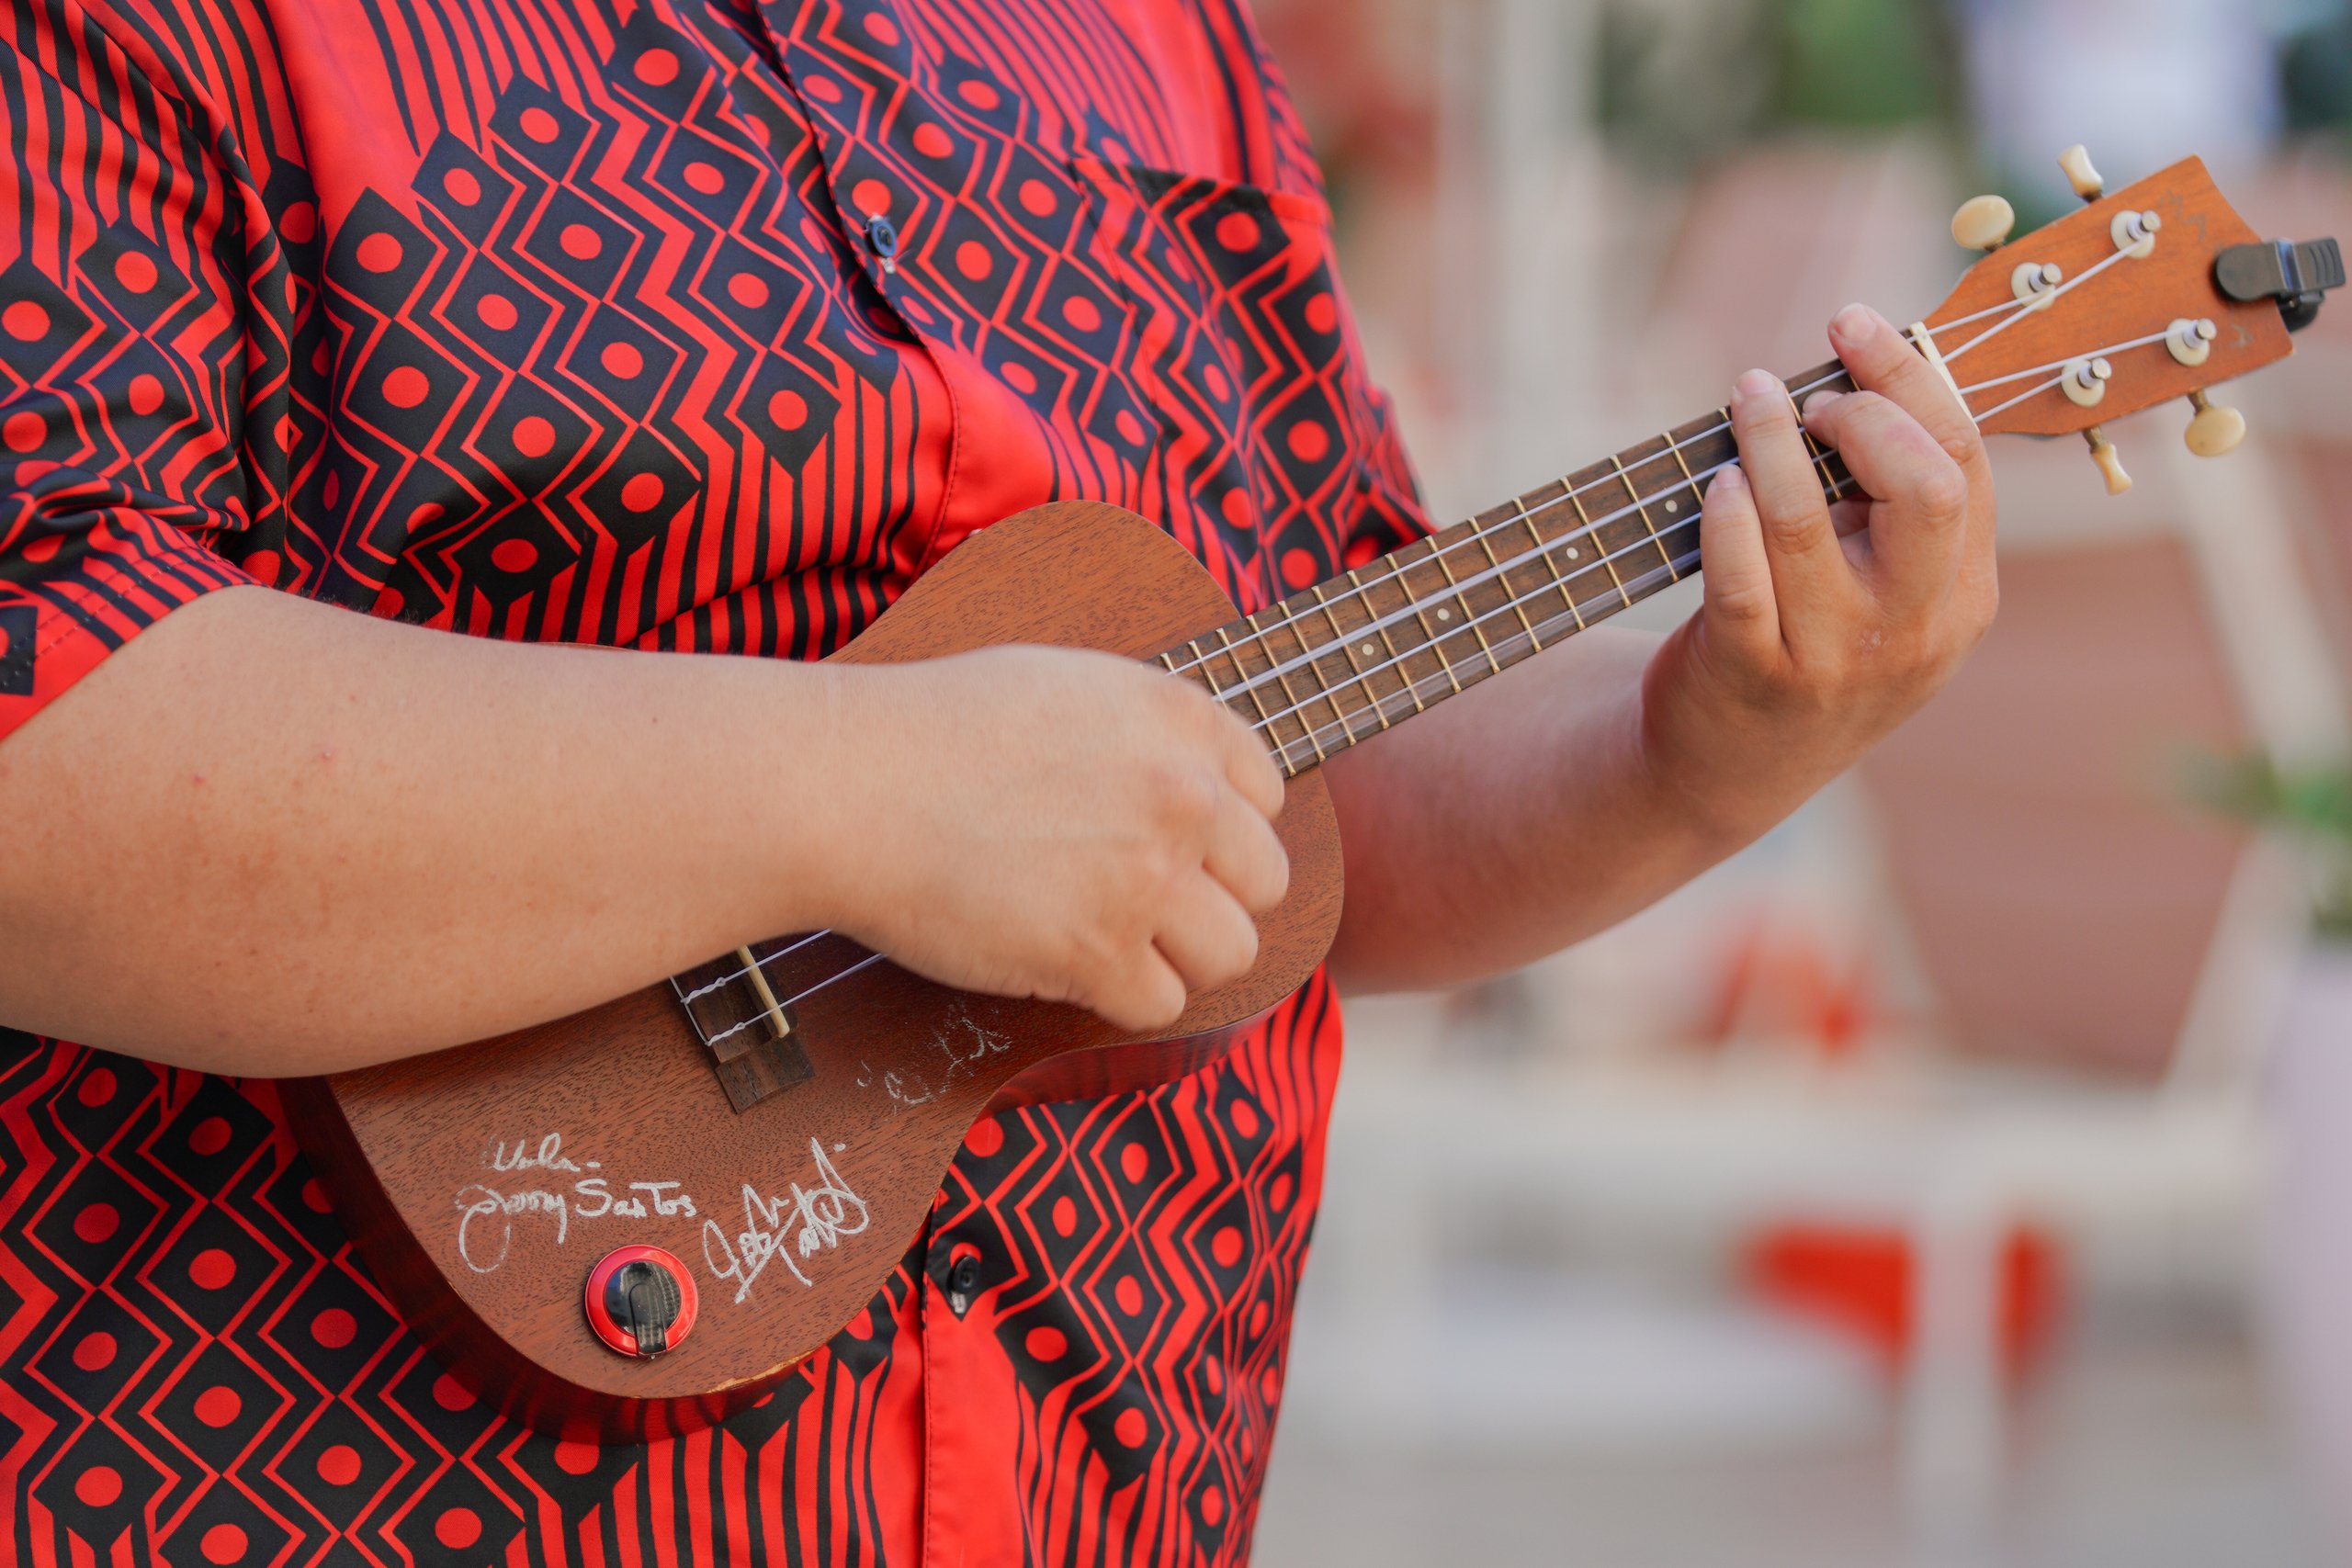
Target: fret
x=1348 y=652
x=1820 y=454
x=1698 y=498
x=1643 y=512
x=1326 y=693
x=1296 y=709
x=1510 y=594
x=1265 y=721
x=1200 y=663
x=1601 y=548
x=1469 y=615
x=1551 y=564
x=1431 y=639
x=1396 y=662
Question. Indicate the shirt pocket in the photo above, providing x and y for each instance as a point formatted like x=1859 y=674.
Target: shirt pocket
x=1273 y=441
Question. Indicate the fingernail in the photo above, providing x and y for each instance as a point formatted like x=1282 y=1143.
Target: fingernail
x=1757 y=384
x=1854 y=323
x=1819 y=402
x=1729 y=479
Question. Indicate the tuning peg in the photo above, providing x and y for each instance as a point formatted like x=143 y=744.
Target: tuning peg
x=2076 y=162
x=1984 y=223
x=2109 y=461
x=2213 y=431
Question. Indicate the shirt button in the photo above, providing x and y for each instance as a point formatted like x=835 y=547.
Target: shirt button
x=882 y=239
x=964 y=1279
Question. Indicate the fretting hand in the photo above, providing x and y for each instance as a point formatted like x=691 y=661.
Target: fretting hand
x=1819 y=633
x=1069 y=826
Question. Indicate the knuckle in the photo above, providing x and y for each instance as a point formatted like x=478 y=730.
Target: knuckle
x=1942 y=492
x=1793 y=527
x=1745 y=603
x=1180 y=792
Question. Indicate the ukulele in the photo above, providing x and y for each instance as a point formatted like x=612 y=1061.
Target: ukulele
x=633 y=1220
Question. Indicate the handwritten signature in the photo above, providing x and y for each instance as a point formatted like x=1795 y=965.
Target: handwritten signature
x=486 y=1214
x=813 y=1220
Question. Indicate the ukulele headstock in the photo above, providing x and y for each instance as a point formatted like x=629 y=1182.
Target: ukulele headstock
x=2152 y=292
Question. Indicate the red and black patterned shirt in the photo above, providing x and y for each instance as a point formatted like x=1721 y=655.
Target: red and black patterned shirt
x=692 y=324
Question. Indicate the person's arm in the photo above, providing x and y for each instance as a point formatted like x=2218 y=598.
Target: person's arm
x=1567 y=793
x=273 y=837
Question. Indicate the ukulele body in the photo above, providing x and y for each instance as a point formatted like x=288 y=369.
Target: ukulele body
x=484 y=1183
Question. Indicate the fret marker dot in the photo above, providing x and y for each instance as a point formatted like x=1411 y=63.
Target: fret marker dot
x=1673 y=506
x=1445 y=615
x=1572 y=552
x=1368 y=651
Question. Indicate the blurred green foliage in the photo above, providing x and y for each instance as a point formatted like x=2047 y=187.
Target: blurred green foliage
x=2309 y=806
x=2315 y=74
x=1868 y=63
x=1677 y=83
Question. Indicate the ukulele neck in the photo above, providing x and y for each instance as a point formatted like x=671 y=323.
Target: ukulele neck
x=1359 y=653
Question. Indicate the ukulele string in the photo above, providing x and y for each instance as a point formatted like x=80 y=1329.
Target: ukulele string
x=837 y=976
x=1614 y=597
x=2040 y=302
x=763 y=959
x=2015 y=311
x=1481 y=534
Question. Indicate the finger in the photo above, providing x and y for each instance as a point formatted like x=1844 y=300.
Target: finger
x=1146 y=994
x=1738 y=602
x=1250 y=767
x=1204 y=936
x=1808 y=570
x=1245 y=857
x=1882 y=360
x=1917 y=532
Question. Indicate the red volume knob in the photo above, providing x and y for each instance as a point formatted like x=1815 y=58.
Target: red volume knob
x=640 y=1302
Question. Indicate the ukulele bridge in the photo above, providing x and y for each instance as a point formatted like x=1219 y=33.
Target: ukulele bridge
x=745 y=1028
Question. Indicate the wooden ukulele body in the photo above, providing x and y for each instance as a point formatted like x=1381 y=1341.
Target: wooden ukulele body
x=484 y=1183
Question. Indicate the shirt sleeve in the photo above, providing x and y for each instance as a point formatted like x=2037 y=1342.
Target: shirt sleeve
x=128 y=365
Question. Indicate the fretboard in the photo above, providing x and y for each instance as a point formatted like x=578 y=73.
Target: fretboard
x=1353 y=656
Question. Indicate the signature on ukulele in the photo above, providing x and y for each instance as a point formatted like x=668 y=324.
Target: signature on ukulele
x=811 y=1219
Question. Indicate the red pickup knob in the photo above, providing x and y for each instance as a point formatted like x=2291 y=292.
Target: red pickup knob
x=640 y=1302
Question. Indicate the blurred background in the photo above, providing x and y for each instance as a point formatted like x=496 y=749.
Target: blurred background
x=1964 y=1175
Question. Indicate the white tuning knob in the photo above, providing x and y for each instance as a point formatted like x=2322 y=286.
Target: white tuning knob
x=2109 y=461
x=2213 y=431
x=1984 y=223
x=2076 y=162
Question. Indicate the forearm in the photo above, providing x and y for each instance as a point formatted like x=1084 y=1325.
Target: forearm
x=1514 y=821
x=269 y=837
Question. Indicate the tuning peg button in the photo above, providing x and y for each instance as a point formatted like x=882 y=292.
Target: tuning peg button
x=2213 y=431
x=1983 y=222
x=2076 y=162
x=2109 y=461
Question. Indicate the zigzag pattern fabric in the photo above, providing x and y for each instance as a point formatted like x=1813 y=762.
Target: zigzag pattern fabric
x=691 y=325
